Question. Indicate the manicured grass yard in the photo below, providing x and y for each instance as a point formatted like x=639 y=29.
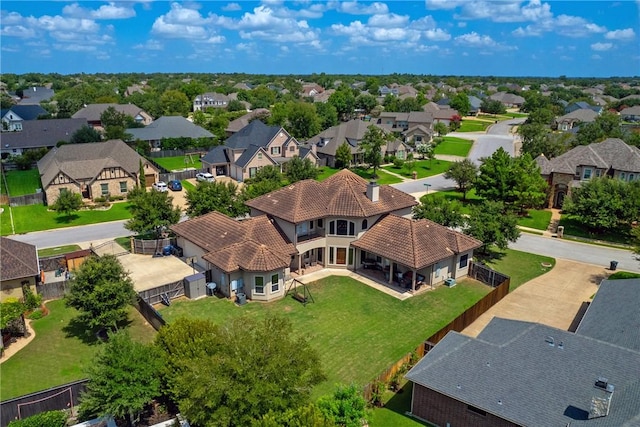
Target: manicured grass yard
x=178 y=162
x=383 y=178
x=59 y=353
x=58 y=250
x=424 y=168
x=468 y=125
x=187 y=185
x=453 y=146
x=519 y=266
x=573 y=228
x=358 y=330
x=536 y=218
x=38 y=217
x=472 y=198
x=396 y=405
x=22 y=182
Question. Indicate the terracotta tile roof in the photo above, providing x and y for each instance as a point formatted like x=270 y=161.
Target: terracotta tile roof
x=19 y=260
x=342 y=194
x=414 y=243
x=255 y=244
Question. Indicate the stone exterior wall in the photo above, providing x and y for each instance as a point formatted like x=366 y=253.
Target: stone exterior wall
x=558 y=179
x=13 y=288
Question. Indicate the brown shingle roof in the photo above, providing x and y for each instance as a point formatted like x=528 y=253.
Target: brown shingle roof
x=414 y=243
x=612 y=152
x=93 y=112
x=256 y=244
x=18 y=260
x=342 y=194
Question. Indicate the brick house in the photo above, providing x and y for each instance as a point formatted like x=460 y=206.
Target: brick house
x=93 y=170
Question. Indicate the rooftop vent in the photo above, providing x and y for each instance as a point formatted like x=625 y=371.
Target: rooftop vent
x=603 y=384
x=549 y=340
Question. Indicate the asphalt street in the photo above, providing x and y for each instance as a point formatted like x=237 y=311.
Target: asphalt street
x=68 y=236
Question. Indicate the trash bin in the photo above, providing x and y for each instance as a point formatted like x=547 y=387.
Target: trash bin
x=613 y=265
x=414 y=174
x=560 y=232
x=241 y=298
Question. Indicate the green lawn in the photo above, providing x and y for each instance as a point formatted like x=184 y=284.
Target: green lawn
x=519 y=266
x=59 y=353
x=453 y=146
x=573 y=228
x=38 y=218
x=22 y=182
x=472 y=198
x=383 y=178
x=424 y=168
x=178 y=162
x=58 y=250
x=538 y=219
x=393 y=413
x=357 y=330
x=186 y=185
x=473 y=126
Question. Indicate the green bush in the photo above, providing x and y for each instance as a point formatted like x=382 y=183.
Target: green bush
x=43 y=419
x=36 y=315
x=398 y=163
x=31 y=300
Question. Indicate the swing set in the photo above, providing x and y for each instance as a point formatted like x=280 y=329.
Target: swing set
x=304 y=297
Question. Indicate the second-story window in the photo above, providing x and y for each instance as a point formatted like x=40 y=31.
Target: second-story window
x=342 y=227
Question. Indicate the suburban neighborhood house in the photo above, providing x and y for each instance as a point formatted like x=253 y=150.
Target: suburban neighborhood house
x=13 y=118
x=36 y=134
x=416 y=126
x=574 y=118
x=210 y=100
x=167 y=127
x=253 y=147
x=517 y=373
x=342 y=222
x=611 y=157
x=326 y=143
x=19 y=268
x=93 y=112
x=96 y=169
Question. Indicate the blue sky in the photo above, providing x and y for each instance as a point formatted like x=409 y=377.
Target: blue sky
x=439 y=37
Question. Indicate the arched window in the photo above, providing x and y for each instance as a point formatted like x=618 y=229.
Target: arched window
x=342 y=227
x=365 y=224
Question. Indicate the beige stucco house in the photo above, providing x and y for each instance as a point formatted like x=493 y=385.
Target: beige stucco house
x=19 y=268
x=93 y=170
x=343 y=222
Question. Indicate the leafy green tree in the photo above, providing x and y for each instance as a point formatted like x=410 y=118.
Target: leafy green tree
x=635 y=232
x=262 y=97
x=257 y=189
x=175 y=103
x=267 y=173
x=542 y=116
x=426 y=151
x=297 y=169
x=11 y=309
x=495 y=180
x=534 y=138
x=343 y=155
x=371 y=144
x=142 y=180
x=236 y=105
x=464 y=173
x=214 y=196
x=606 y=125
x=235 y=380
x=530 y=189
x=409 y=104
x=346 y=407
x=151 y=212
x=67 y=203
x=85 y=134
x=303 y=416
x=101 y=290
x=491 y=224
x=327 y=114
x=192 y=89
x=366 y=102
x=441 y=129
x=123 y=379
x=344 y=102
x=303 y=122
x=491 y=106
x=439 y=209
x=115 y=123
x=461 y=103
x=43 y=419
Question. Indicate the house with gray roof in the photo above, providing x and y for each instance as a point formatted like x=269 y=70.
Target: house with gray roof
x=517 y=373
x=509 y=100
x=239 y=123
x=36 y=95
x=612 y=158
x=36 y=134
x=12 y=118
x=167 y=127
x=93 y=113
x=253 y=147
x=95 y=169
x=343 y=222
x=210 y=100
x=575 y=118
x=631 y=114
x=20 y=267
x=581 y=105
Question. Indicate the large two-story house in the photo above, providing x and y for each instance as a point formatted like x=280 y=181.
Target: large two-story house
x=210 y=100
x=253 y=147
x=343 y=222
x=14 y=117
x=416 y=126
x=611 y=158
x=93 y=113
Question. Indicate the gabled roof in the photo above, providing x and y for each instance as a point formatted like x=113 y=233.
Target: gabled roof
x=19 y=260
x=217 y=155
x=36 y=94
x=330 y=139
x=255 y=244
x=169 y=127
x=533 y=374
x=82 y=162
x=414 y=243
x=630 y=111
x=544 y=164
x=42 y=133
x=612 y=152
x=92 y=112
x=583 y=115
x=342 y=194
x=26 y=111
x=241 y=122
x=250 y=153
x=255 y=133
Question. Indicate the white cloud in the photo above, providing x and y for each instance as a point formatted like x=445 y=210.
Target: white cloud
x=438 y=35
x=443 y=4
x=424 y=23
x=355 y=8
x=186 y=23
x=232 y=7
x=388 y=20
x=264 y=24
x=474 y=39
x=106 y=11
x=626 y=34
x=150 y=45
x=601 y=47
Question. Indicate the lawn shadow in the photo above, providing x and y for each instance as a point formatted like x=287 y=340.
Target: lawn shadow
x=77 y=328
x=597 y=278
x=491 y=254
x=400 y=403
x=66 y=219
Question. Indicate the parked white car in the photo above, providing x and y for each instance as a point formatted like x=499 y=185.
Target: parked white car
x=160 y=186
x=205 y=176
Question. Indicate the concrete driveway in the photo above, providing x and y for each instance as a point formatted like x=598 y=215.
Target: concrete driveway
x=553 y=299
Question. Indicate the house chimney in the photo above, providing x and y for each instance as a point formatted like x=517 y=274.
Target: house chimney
x=314 y=149
x=373 y=191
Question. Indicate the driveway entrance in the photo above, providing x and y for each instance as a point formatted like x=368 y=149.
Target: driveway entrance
x=553 y=299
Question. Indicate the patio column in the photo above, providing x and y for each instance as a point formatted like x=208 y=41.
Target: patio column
x=390 y=272
x=300 y=264
x=413 y=280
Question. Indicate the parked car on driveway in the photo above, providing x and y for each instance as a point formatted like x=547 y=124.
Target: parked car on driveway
x=175 y=185
x=205 y=176
x=160 y=186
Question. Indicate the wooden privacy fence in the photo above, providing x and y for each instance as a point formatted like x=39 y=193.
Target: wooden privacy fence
x=485 y=274
x=149 y=247
x=56 y=398
x=188 y=174
x=149 y=313
x=458 y=324
x=53 y=290
x=163 y=293
x=27 y=200
x=175 y=153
